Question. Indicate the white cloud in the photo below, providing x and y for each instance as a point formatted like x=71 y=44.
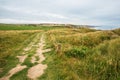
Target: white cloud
x=95 y=12
x=15 y=21
x=55 y=15
x=8 y=20
x=34 y=12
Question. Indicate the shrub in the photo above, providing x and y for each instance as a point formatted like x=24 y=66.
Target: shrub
x=77 y=52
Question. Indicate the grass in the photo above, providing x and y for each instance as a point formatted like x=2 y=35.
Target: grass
x=117 y=31
x=21 y=75
x=26 y=27
x=104 y=63
x=27 y=61
x=12 y=44
x=77 y=54
x=92 y=55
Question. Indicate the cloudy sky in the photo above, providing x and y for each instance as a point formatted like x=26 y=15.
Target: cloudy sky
x=89 y=12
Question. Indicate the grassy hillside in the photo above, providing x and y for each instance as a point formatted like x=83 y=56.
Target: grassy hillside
x=83 y=55
x=77 y=53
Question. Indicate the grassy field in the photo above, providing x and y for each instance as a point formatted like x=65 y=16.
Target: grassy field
x=26 y=27
x=77 y=54
x=11 y=45
x=80 y=54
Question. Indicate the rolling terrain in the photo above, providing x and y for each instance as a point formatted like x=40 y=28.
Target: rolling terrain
x=30 y=52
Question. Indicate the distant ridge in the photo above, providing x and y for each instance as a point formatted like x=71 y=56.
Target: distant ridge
x=54 y=24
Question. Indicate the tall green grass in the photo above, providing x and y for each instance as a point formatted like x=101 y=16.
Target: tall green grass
x=11 y=44
x=117 y=31
x=103 y=62
x=77 y=54
x=92 y=55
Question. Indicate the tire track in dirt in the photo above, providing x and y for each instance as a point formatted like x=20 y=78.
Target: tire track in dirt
x=37 y=70
x=19 y=67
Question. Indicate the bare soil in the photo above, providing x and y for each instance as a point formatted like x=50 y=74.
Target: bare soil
x=37 y=70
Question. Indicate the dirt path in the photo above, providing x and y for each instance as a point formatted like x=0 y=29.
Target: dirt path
x=16 y=69
x=37 y=70
x=19 y=67
x=22 y=58
x=13 y=71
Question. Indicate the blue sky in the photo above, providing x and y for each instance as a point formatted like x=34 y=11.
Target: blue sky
x=88 y=12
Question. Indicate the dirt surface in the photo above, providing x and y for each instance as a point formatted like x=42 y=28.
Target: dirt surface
x=46 y=50
x=22 y=58
x=37 y=70
x=18 y=67
x=13 y=71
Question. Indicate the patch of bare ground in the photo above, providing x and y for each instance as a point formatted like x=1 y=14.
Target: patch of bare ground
x=18 y=67
x=37 y=70
x=13 y=71
x=46 y=50
x=22 y=58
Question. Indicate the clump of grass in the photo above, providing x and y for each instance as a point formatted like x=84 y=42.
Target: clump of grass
x=117 y=31
x=28 y=62
x=77 y=52
x=37 y=58
x=20 y=75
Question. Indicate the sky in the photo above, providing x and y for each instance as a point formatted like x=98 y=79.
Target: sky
x=83 y=12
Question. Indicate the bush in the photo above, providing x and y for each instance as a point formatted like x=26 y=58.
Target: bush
x=77 y=52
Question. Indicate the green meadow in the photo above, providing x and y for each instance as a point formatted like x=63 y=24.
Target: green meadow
x=76 y=53
x=25 y=27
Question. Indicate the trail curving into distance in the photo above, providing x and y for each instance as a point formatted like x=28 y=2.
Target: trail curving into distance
x=35 y=71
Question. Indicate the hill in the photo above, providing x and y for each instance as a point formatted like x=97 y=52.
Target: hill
x=64 y=52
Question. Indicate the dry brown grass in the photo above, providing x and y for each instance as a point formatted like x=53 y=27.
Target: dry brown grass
x=82 y=55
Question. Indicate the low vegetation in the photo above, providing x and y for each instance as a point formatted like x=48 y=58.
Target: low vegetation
x=26 y=27
x=92 y=55
x=76 y=53
x=11 y=45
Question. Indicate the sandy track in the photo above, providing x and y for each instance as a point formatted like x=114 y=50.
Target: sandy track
x=22 y=58
x=18 y=67
x=37 y=70
x=13 y=71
